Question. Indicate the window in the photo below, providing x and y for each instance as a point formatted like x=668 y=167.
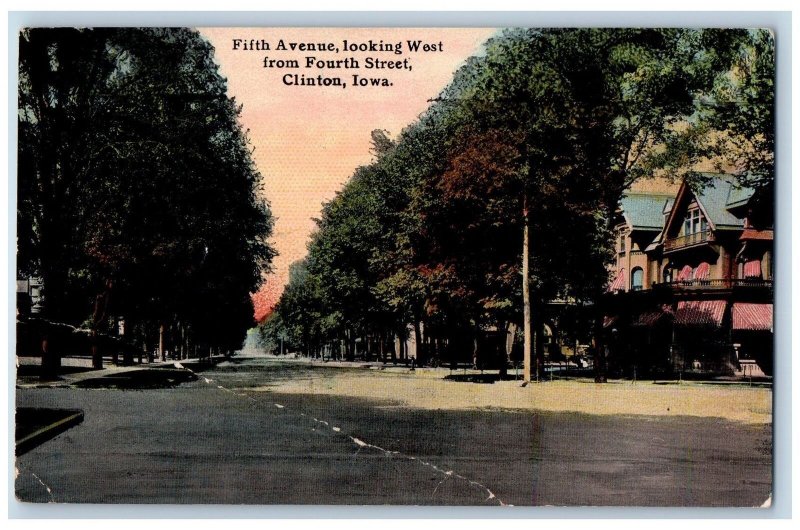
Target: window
x=694 y=222
x=637 y=279
x=622 y=243
x=667 y=274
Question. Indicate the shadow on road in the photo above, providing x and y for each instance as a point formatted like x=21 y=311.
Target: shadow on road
x=481 y=378
x=37 y=371
x=140 y=379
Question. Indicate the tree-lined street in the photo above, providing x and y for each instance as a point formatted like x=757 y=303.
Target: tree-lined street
x=145 y=230
x=504 y=194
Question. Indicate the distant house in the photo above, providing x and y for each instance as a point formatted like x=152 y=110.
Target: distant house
x=691 y=289
x=29 y=296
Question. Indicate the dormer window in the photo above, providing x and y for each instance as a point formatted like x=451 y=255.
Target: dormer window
x=694 y=222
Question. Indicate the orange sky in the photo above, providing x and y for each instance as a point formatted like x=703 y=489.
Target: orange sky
x=308 y=139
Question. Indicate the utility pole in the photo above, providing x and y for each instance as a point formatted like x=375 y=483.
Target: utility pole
x=526 y=296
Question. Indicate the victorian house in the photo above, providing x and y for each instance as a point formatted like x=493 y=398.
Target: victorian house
x=691 y=290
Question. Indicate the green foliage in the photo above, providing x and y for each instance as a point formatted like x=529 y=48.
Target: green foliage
x=134 y=172
x=549 y=125
x=733 y=119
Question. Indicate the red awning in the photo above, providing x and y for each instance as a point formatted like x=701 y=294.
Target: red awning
x=700 y=313
x=650 y=318
x=752 y=269
x=609 y=321
x=701 y=272
x=686 y=274
x=619 y=282
x=749 y=234
x=752 y=317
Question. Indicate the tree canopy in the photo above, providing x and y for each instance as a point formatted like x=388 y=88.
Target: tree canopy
x=546 y=128
x=136 y=180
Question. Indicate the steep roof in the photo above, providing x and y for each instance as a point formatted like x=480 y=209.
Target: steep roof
x=718 y=196
x=644 y=211
x=668 y=205
x=739 y=196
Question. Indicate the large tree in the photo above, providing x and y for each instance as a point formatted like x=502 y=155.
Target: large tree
x=561 y=121
x=136 y=179
x=733 y=124
x=507 y=188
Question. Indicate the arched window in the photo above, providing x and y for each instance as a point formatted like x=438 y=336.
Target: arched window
x=637 y=279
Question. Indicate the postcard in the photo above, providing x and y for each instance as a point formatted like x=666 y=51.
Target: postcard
x=494 y=267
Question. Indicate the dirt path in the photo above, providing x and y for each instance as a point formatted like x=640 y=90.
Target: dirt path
x=426 y=389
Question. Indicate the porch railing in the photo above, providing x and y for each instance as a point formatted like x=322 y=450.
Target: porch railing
x=715 y=284
x=675 y=243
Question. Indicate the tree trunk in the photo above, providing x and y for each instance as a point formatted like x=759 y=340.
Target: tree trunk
x=526 y=296
x=477 y=362
x=599 y=351
x=98 y=317
x=161 y=353
x=419 y=355
x=51 y=359
x=600 y=360
x=54 y=278
x=184 y=350
x=503 y=354
x=403 y=344
x=400 y=345
x=351 y=345
x=538 y=348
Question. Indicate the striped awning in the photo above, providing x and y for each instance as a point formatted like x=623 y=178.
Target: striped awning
x=619 y=282
x=752 y=317
x=686 y=274
x=701 y=272
x=700 y=313
x=648 y=319
x=752 y=269
x=749 y=234
x=609 y=321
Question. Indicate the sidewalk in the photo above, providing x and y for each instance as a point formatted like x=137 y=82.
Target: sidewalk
x=76 y=371
x=489 y=375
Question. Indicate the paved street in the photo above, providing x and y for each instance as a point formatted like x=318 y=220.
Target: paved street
x=217 y=439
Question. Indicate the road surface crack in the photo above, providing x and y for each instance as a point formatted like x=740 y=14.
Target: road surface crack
x=49 y=491
x=448 y=473
x=361 y=444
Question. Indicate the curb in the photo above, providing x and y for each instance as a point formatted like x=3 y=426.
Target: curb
x=39 y=436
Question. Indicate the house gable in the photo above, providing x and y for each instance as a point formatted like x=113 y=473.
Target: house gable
x=679 y=207
x=716 y=198
x=713 y=201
